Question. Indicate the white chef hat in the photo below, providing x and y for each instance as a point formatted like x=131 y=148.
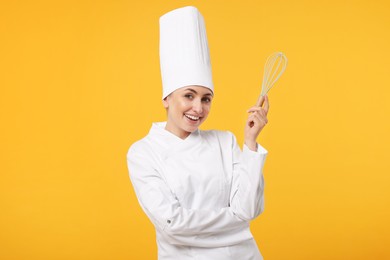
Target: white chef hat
x=184 y=51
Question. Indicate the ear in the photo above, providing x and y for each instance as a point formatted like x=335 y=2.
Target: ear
x=165 y=103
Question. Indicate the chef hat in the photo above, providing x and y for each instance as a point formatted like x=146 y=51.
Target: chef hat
x=184 y=52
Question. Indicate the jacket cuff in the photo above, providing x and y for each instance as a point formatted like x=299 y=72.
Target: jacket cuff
x=260 y=150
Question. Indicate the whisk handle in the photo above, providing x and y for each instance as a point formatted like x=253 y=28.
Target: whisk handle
x=260 y=101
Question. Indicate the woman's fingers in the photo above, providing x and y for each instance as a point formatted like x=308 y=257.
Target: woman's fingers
x=253 y=109
x=262 y=119
x=252 y=121
x=260 y=110
x=264 y=101
x=256 y=117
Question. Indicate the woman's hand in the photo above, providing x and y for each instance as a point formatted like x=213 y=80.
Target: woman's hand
x=256 y=122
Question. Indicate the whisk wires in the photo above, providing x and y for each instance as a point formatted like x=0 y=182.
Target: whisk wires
x=274 y=67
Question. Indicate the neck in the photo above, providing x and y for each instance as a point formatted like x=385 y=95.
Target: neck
x=178 y=132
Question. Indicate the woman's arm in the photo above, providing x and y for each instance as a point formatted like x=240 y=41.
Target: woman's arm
x=204 y=228
x=247 y=196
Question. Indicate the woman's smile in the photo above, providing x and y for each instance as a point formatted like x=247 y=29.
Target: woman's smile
x=191 y=117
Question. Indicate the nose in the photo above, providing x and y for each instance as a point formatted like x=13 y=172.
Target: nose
x=197 y=107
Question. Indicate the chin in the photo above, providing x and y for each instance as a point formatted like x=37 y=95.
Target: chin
x=190 y=126
x=190 y=129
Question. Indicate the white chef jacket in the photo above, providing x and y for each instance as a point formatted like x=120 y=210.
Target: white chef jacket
x=200 y=193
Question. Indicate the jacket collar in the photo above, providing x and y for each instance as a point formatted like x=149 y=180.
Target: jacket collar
x=160 y=135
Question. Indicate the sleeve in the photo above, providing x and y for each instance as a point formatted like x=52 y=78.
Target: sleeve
x=247 y=194
x=178 y=225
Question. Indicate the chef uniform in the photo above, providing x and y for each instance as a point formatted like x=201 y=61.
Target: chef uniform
x=199 y=192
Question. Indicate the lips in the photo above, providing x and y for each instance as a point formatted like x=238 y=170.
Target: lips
x=191 y=117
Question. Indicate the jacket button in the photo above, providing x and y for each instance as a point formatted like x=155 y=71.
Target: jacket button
x=169 y=221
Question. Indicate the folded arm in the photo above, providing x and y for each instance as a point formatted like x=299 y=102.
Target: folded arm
x=177 y=224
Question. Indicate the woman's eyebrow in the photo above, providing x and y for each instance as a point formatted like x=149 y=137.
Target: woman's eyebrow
x=208 y=95
x=194 y=91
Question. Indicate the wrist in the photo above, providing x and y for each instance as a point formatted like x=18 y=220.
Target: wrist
x=251 y=144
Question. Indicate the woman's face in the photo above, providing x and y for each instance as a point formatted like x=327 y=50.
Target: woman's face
x=187 y=108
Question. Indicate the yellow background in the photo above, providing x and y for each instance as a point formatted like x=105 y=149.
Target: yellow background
x=80 y=82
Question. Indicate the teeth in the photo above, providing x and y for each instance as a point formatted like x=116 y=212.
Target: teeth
x=192 y=117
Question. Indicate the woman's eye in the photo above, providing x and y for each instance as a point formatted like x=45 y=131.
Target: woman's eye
x=207 y=100
x=189 y=96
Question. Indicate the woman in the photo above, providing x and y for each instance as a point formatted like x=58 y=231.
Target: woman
x=197 y=187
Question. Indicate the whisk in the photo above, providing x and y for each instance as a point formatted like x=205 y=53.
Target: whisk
x=274 y=67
